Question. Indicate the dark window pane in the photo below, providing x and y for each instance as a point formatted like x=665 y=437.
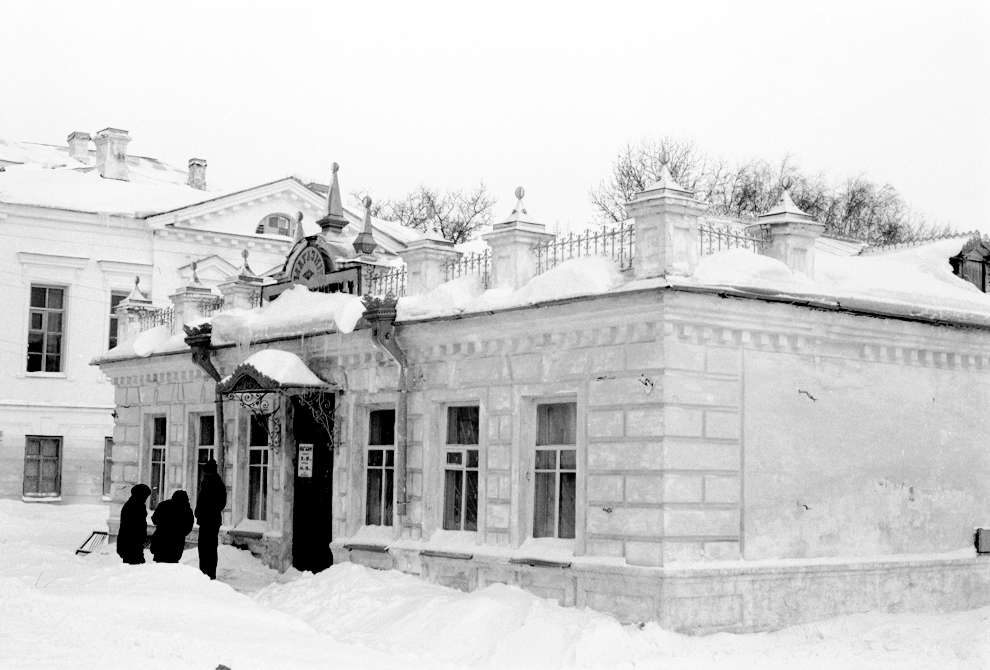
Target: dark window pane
x=546 y=459
x=34 y=363
x=544 y=505
x=53 y=363
x=568 y=485
x=54 y=298
x=387 y=498
x=255 y=457
x=158 y=430
x=36 y=343
x=49 y=469
x=257 y=493
x=37 y=296
x=32 y=485
x=32 y=447
x=472 y=458
x=115 y=299
x=258 y=431
x=373 y=505
x=471 y=501
x=49 y=448
x=54 y=344
x=452 y=500
x=454 y=457
x=381 y=426
x=556 y=423
x=206 y=429
x=32 y=468
x=107 y=464
x=54 y=322
x=568 y=459
x=375 y=458
x=112 y=340
x=37 y=321
x=390 y=458
x=462 y=425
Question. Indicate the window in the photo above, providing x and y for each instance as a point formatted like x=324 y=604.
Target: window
x=556 y=470
x=205 y=445
x=107 y=464
x=158 y=437
x=47 y=323
x=258 y=468
x=115 y=298
x=274 y=224
x=381 y=467
x=460 y=499
x=42 y=466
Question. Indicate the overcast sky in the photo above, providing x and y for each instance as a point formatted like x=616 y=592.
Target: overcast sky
x=544 y=96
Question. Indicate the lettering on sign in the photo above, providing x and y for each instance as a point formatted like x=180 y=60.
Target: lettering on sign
x=305 y=460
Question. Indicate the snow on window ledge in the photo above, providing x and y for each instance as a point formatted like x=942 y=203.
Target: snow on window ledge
x=377 y=535
x=45 y=375
x=249 y=526
x=41 y=499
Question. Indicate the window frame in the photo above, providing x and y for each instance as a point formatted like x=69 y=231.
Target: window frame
x=40 y=458
x=387 y=477
x=199 y=446
x=156 y=448
x=463 y=470
x=45 y=313
x=113 y=324
x=257 y=499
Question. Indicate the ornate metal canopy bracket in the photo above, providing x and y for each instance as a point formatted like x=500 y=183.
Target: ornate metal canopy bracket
x=265 y=405
x=324 y=412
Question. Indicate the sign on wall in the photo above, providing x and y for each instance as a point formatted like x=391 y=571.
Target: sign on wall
x=305 y=467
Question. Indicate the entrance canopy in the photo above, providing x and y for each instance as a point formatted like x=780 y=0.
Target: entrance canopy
x=271 y=370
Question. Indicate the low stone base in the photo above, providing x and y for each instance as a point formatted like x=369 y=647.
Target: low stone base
x=735 y=598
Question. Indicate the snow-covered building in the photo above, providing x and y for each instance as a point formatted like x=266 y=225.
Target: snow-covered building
x=78 y=224
x=678 y=419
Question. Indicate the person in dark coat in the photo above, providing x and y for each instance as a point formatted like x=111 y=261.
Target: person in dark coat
x=133 y=532
x=210 y=501
x=173 y=520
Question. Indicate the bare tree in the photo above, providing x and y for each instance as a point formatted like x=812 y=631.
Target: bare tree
x=859 y=208
x=455 y=215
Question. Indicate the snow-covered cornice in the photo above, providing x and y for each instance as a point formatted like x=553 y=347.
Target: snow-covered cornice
x=234 y=240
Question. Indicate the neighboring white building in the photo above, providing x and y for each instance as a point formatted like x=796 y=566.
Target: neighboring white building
x=78 y=223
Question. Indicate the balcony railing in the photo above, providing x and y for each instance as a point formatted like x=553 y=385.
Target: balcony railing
x=390 y=281
x=477 y=263
x=615 y=243
x=715 y=236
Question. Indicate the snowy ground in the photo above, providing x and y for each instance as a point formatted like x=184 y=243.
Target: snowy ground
x=62 y=611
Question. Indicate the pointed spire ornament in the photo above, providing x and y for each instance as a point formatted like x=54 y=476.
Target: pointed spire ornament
x=519 y=212
x=195 y=277
x=365 y=243
x=334 y=220
x=137 y=296
x=245 y=273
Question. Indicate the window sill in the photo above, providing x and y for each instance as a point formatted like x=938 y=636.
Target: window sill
x=107 y=498
x=42 y=499
x=45 y=375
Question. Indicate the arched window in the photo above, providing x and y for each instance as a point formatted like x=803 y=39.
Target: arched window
x=275 y=224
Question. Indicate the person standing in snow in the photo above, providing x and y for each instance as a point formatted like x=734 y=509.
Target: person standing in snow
x=210 y=501
x=133 y=532
x=173 y=520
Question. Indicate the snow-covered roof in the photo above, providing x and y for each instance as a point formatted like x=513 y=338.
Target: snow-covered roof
x=275 y=368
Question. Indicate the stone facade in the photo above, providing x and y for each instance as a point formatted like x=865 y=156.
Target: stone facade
x=741 y=464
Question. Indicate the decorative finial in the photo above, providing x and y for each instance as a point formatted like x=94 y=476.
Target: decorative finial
x=195 y=277
x=520 y=208
x=298 y=232
x=334 y=219
x=245 y=270
x=365 y=243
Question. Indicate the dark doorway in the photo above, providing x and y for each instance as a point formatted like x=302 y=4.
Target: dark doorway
x=311 y=509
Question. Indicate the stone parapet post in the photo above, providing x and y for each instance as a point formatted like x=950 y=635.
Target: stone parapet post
x=424 y=261
x=244 y=290
x=188 y=301
x=792 y=234
x=512 y=242
x=129 y=311
x=667 y=219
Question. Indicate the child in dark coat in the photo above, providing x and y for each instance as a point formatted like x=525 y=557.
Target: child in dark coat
x=210 y=501
x=173 y=520
x=133 y=532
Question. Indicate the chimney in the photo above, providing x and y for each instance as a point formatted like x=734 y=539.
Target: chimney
x=197 y=173
x=111 y=153
x=78 y=142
